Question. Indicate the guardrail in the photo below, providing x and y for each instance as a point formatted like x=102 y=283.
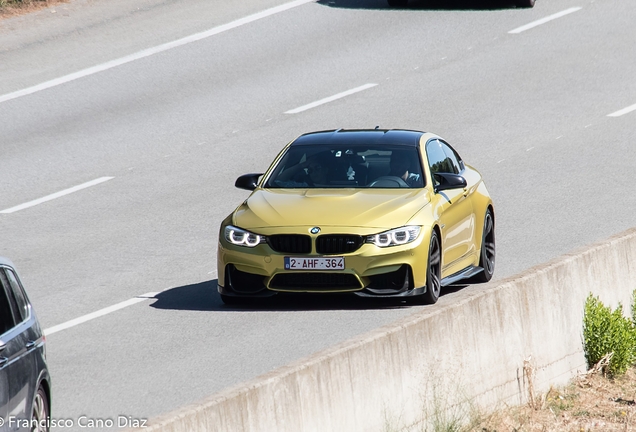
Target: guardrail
x=472 y=347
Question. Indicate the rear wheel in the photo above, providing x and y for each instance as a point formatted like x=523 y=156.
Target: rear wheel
x=40 y=414
x=487 y=255
x=433 y=271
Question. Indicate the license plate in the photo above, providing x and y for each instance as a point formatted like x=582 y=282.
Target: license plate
x=333 y=263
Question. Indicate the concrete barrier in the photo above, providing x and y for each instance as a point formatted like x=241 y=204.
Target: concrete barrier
x=468 y=349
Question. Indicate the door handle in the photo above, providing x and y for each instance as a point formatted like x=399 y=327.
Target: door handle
x=30 y=344
x=3 y=360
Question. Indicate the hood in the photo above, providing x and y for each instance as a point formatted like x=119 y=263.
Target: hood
x=371 y=208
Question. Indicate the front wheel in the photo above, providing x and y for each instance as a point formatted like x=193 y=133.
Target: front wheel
x=433 y=271
x=487 y=255
x=40 y=412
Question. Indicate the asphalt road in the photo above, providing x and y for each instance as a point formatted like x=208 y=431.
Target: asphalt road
x=166 y=131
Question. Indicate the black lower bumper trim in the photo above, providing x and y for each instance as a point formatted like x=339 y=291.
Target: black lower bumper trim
x=231 y=293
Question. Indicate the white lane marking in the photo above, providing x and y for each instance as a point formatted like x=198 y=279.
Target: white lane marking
x=149 y=295
x=544 y=20
x=623 y=111
x=154 y=50
x=99 y=313
x=330 y=99
x=56 y=195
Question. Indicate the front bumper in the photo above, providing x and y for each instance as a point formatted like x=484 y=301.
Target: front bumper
x=370 y=271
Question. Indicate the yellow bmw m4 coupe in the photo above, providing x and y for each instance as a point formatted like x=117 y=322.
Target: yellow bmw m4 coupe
x=378 y=213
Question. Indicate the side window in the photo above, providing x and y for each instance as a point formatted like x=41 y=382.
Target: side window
x=438 y=160
x=20 y=297
x=457 y=162
x=7 y=322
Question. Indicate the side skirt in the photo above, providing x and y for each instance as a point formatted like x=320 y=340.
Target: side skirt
x=462 y=274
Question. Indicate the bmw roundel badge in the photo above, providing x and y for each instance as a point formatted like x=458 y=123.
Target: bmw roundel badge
x=315 y=230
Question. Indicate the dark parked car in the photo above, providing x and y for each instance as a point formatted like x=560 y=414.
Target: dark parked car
x=25 y=384
x=518 y=3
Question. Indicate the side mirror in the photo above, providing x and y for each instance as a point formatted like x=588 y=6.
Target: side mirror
x=449 y=181
x=247 y=181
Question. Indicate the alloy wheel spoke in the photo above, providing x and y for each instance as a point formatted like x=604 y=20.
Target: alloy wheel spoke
x=435 y=255
x=490 y=266
x=39 y=414
x=436 y=283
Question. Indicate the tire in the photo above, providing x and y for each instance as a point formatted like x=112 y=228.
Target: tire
x=433 y=271
x=398 y=3
x=525 y=3
x=40 y=412
x=488 y=251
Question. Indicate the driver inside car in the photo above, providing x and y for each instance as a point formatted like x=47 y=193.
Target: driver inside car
x=399 y=167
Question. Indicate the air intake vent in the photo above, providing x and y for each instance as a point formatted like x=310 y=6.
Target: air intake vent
x=338 y=243
x=290 y=243
x=315 y=281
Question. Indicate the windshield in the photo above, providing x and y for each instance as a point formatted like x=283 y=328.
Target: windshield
x=353 y=166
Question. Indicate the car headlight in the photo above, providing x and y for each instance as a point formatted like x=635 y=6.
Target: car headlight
x=395 y=237
x=241 y=237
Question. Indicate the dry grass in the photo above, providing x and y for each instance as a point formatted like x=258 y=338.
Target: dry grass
x=590 y=403
x=9 y=8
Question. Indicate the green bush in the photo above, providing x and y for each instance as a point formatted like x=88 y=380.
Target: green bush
x=606 y=331
x=634 y=307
